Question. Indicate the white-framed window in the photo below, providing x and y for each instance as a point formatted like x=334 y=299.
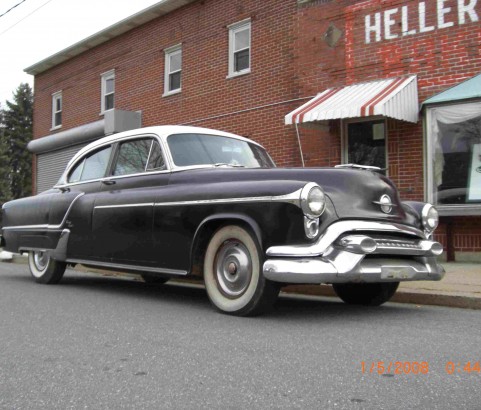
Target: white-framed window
x=173 y=70
x=365 y=142
x=57 y=110
x=107 y=91
x=453 y=135
x=240 y=48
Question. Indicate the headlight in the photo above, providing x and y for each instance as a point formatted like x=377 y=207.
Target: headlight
x=313 y=200
x=430 y=217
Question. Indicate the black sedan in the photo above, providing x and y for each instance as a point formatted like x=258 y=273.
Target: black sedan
x=173 y=201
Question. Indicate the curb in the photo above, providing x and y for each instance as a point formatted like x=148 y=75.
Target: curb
x=401 y=296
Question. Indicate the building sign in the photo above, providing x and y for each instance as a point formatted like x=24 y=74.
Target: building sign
x=410 y=20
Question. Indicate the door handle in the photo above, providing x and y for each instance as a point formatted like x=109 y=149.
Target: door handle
x=108 y=182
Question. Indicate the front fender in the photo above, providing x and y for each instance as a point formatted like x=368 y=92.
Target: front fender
x=413 y=211
x=229 y=217
x=207 y=227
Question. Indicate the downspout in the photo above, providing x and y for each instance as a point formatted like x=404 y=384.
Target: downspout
x=300 y=146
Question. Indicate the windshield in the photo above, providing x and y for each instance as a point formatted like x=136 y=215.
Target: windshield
x=202 y=149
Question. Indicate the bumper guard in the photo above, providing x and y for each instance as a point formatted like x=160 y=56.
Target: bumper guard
x=342 y=255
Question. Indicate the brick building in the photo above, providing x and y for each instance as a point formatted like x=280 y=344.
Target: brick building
x=380 y=82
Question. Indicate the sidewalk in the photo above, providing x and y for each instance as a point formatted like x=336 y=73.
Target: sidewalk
x=460 y=287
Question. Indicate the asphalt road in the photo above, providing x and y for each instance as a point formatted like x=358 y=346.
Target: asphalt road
x=107 y=343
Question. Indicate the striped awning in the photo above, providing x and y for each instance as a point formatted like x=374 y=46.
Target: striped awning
x=395 y=98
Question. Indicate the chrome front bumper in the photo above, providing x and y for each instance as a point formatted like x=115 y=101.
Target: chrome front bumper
x=357 y=251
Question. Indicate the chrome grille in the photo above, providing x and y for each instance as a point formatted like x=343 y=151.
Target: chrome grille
x=399 y=246
x=397 y=243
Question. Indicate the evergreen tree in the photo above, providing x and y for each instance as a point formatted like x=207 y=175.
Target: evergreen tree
x=15 y=160
x=4 y=174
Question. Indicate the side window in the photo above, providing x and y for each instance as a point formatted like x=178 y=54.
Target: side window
x=107 y=91
x=138 y=156
x=239 y=48
x=156 y=160
x=57 y=110
x=91 y=167
x=173 y=70
x=76 y=172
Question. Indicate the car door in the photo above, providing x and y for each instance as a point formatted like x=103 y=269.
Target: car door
x=124 y=208
x=83 y=184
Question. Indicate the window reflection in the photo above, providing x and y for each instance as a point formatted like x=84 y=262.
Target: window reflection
x=455 y=133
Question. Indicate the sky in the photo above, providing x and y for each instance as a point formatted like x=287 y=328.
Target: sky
x=37 y=29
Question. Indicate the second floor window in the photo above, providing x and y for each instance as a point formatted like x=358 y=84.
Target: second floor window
x=57 y=110
x=108 y=91
x=173 y=70
x=240 y=48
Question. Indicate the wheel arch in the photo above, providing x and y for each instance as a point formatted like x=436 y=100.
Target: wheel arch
x=207 y=228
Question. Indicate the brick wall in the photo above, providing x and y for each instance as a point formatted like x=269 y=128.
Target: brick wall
x=440 y=46
x=298 y=50
x=138 y=60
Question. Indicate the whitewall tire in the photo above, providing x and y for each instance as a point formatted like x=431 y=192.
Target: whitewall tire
x=233 y=273
x=44 y=269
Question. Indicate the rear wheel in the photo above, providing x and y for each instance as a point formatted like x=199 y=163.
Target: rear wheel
x=367 y=294
x=44 y=269
x=233 y=273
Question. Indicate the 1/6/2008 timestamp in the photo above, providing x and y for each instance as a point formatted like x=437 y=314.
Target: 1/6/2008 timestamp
x=395 y=367
x=417 y=367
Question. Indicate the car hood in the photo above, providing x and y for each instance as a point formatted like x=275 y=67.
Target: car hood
x=353 y=192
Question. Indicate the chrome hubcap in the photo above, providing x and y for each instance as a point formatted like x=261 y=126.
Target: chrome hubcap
x=233 y=267
x=40 y=259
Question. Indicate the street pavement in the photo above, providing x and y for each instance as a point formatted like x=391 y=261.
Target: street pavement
x=460 y=287
x=110 y=342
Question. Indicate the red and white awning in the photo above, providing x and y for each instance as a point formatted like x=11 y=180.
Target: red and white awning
x=395 y=98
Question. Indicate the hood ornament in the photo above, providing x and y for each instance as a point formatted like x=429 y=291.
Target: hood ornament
x=385 y=203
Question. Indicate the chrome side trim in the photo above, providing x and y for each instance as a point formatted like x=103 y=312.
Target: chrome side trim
x=334 y=231
x=46 y=226
x=124 y=205
x=68 y=210
x=292 y=198
x=112 y=177
x=27 y=227
x=129 y=267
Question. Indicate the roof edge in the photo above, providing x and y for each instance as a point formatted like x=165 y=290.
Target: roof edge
x=142 y=17
x=446 y=96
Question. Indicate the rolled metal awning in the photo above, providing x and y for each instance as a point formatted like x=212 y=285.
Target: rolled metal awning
x=394 y=97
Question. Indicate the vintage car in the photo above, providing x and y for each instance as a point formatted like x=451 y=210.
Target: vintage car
x=175 y=201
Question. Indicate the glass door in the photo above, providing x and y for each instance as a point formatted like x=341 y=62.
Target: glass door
x=366 y=143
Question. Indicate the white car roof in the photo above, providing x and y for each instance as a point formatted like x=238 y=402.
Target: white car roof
x=162 y=131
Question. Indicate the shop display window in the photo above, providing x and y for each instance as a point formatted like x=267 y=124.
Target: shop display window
x=454 y=154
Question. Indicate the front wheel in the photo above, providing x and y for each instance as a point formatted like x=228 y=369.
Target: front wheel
x=44 y=269
x=233 y=273
x=367 y=294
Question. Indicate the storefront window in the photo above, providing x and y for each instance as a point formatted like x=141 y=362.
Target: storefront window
x=454 y=138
